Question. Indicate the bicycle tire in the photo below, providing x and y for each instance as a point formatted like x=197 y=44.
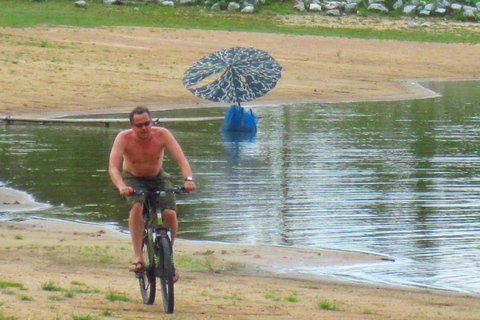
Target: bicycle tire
x=166 y=274
x=147 y=279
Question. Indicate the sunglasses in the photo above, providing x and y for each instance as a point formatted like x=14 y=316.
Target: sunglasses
x=143 y=124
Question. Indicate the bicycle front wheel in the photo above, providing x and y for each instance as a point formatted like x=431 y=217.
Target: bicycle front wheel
x=166 y=273
x=147 y=279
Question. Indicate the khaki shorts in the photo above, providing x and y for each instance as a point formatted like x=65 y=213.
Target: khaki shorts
x=162 y=181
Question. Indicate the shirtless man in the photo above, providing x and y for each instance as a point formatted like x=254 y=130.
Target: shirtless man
x=139 y=151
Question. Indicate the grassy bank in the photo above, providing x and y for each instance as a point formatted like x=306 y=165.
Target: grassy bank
x=270 y=18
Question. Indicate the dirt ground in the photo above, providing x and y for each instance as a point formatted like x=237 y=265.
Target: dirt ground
x=60 y=270
x=51 y=71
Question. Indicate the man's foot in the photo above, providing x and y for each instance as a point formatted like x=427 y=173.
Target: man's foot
x=176 y=276
x=136 y=267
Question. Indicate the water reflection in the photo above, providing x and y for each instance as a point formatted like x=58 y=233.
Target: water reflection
x=400 y=178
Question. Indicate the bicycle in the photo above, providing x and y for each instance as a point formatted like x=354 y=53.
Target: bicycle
x=157 y=252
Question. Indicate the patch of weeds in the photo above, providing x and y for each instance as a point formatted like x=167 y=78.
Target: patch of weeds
x=87 y=317
x=77 y=288
x=369 y=311
x=272 y=295
x=9 y=292
x=107 y=313
x=205 y=253
x=6 y=284
x=2 y=317
x=210 y=266
x=84 y=290
x=18 y=236
x=116 y=296
x=25 y=297
x=292 y=298
x=331 y=306
x=51 y=286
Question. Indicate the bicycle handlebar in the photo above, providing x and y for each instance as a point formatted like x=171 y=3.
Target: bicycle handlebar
x=161 y=192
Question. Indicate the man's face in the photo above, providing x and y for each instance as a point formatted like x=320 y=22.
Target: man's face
x=141 y=125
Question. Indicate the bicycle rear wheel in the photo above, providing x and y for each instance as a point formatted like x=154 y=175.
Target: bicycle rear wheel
x=166 y=273
x=147 y=279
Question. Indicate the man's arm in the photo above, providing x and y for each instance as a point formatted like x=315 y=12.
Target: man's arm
x=115 y=162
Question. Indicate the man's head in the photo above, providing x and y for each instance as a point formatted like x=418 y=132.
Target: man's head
x=139 y=110
x=141 y=122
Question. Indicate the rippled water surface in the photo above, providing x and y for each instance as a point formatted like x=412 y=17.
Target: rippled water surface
x=398 y=178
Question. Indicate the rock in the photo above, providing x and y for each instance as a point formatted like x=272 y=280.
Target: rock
x=351 y=7
x=81 y=4
x=377 y=7
x=248 y=9
x=456 y=6
x=469 y=12
x=315 y=7
x=168 y=4
x=429 y=7
x=300 y=6
x=233 y=6
x=332 y=6
x=409 y=8
x=334 y=12
x=187 y=2
x=216 y=7
x=412 y=24
x=398 y=5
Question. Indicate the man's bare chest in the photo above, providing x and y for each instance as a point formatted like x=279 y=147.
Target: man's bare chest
x=144 y=152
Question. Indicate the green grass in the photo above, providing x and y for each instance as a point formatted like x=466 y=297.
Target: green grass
x=84 y=317
x=116 y=296
x=28 y=13
x=2 y=317
x=25 y=297
x=329 y=305
x=51 y=286
x=272 y=295
x=7 y=284
x=292 y=298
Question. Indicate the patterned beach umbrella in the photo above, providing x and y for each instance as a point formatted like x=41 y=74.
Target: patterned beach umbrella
x=233 y=75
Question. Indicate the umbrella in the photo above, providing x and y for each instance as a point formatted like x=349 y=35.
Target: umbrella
x=233 y=75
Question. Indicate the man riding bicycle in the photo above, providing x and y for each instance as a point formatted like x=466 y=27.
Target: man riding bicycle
x=139 y=152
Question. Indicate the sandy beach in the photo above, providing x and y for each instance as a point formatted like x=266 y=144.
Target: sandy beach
x=62 y=270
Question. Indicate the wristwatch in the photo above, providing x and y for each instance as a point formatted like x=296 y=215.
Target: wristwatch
x=190 y=178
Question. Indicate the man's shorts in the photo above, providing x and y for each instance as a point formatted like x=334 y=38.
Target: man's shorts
x=162 y=181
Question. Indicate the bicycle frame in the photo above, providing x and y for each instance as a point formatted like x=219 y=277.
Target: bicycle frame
x=157 y=247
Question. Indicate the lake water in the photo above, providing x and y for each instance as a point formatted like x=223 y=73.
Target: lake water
x=400 y=178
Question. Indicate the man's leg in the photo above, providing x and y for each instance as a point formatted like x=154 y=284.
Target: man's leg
x=169 y=218
x=135 y=224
